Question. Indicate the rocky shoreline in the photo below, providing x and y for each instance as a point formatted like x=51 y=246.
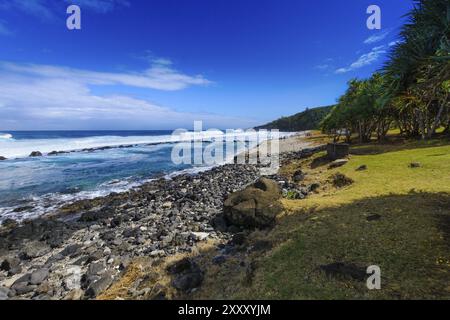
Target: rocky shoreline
x=79 y=251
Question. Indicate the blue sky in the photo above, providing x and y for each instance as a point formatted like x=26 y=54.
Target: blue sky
x=161 y=64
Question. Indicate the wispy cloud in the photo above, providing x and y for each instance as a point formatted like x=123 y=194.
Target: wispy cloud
x=322 y=67
x=47 y=9
x=393 y=43
x=380 y=36
x=160 y=75
x=52 y=97
x=364 y=60
x=38 y=8
x=100 y=6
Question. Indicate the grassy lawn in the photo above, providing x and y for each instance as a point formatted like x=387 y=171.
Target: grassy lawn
x=392 y=216
x=410 y=240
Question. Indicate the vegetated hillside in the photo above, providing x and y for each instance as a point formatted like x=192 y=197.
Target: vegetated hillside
x=307 y=120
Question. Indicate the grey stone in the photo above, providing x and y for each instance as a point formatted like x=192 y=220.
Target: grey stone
x=9 y=263
x=38 y=276
x=338 y=163
x=34 y=250
x=100 y=285
x=70 y=250
x=96 y=268
x=23 y=288
x=4 y=293
x=254 y=207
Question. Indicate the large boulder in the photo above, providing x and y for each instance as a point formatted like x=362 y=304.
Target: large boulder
x=254 y=207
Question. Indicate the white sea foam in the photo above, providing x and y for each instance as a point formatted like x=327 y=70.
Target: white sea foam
x=11 y=148
x=5 y=136
x=50 y=202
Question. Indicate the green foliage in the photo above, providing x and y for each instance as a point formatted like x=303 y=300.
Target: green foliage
x=307 y=120
x=412 y=90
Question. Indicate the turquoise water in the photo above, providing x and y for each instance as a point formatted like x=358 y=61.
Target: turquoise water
x=32 y=186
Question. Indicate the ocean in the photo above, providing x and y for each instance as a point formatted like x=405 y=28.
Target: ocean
x=32 y=186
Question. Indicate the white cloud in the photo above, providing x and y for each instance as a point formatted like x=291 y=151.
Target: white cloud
x=377 y=37
x=364 y=60
x=393 y=43
x=160 y=76
x=49 y=97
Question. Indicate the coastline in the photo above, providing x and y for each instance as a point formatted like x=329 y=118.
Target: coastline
x=89 y=243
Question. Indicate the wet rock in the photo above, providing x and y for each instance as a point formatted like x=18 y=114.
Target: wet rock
x=2 y=158
x=254 y=207
x=38 y=276
x=55 y=153
x=35 y=154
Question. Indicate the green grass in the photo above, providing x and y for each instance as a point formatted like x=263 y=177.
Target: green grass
x=410 y=241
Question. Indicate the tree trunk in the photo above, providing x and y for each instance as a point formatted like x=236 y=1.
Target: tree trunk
x=437 y=119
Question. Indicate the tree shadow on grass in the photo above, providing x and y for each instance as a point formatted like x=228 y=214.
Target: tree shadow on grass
x=398 y=145
x=409 y=240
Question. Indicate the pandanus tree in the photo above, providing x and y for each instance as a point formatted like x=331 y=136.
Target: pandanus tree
x=418 y=69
